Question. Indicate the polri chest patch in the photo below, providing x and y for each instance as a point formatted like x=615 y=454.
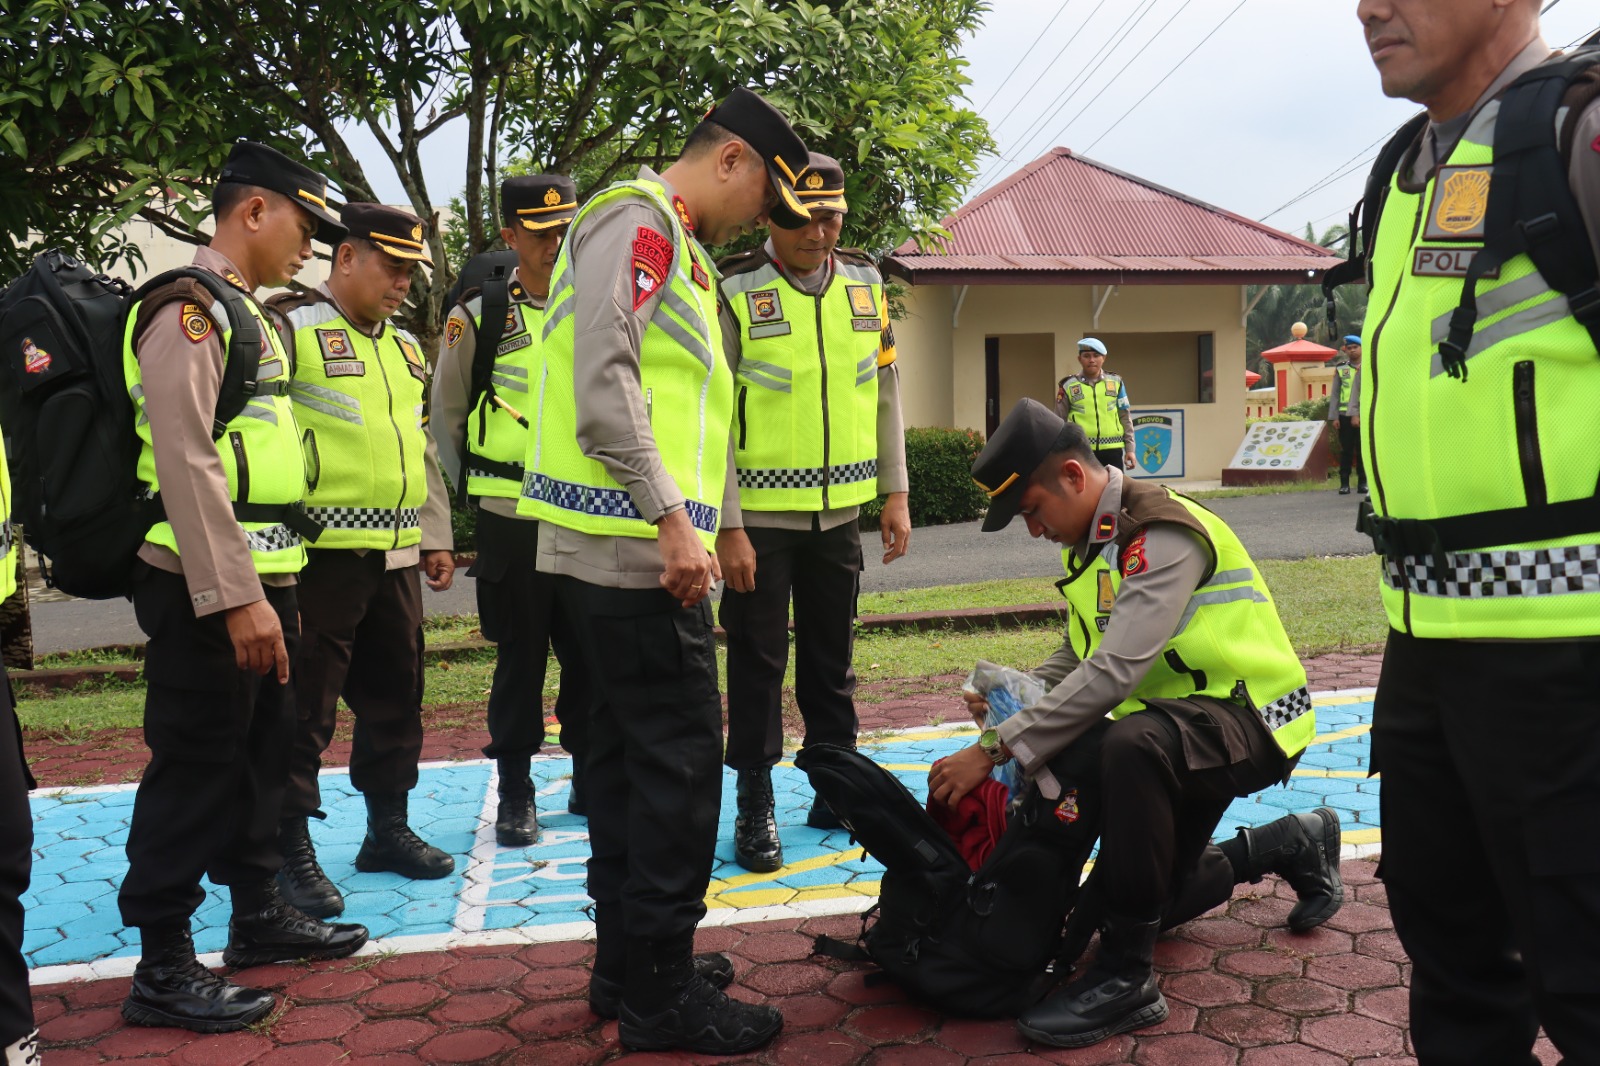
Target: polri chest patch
x=766 y=305
x=513 y=323
x=862 y=305
x=335 y=343
x=1460 y=202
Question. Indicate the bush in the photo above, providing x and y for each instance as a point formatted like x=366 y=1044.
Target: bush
x=939 y=468
x=464 y=526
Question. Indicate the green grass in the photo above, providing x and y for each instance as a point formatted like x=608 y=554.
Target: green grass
x=1264 y=490
x=1010 y=592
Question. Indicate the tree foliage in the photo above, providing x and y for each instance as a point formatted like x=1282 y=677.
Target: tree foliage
x=116 y=109
x=1284 y=305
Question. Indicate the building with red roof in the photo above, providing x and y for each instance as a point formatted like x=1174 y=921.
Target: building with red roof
x=1065 y=248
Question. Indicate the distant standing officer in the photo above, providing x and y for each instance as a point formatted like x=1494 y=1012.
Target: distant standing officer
x=1098 y=402
x=1483 y=464
x=360 y=396
x=817 y=433
x=487 y=433
x=215 y=595
x=19 y=1040
x=627 y=470
x=1342 y=412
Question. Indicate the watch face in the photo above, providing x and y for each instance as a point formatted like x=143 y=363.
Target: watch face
x=989 y=738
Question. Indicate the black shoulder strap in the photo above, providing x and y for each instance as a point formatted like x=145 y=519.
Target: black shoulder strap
x=242 y=362
x=1364 y=217
x=492 y=313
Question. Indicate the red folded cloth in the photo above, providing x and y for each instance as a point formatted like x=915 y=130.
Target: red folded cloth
x=978 y=821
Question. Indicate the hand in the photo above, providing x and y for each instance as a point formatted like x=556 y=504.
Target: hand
x=952 y=778
x=737 y=558
x=257 y=637
x=895 y=523
x=439 y=567
x=688 y=569
x=1127 y=459
x=1355 y=420
x=977 y=706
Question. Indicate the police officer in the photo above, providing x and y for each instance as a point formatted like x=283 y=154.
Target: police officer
x=1174 y=636
x=359 y=393
x=1098 y=402
x=1483 y=484
x=215 y=595
x=19 y=1040
x=1342 y=413
x=817 y=433
x=627 y=470
x=486 y=432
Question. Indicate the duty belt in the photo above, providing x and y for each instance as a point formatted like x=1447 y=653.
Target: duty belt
x=291 y=515
x=1430 y=554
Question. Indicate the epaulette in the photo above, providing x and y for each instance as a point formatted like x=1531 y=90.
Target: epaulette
x=856 y=255
x=742 y=262
x=187 y=289
x=285 y=302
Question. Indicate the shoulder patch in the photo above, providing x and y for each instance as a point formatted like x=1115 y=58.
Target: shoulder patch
x=453 y=330
x=197 y=325
x=652 y=258
x=1133 y=557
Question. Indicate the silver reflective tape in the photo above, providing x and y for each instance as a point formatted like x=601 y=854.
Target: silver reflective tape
x=772 y=370
x=261 y=414
x=1230 y=577
x=511 y=370
x=864 y=376
x=1206 y=599
x=857 y=273
x=690 y=315
x=695 y=346
x=312 y=314
x=1496 y=300
x=869 y=363
x=754 y=279
x=1512 y=326
x=514 y=384
x=555 y=314
x=314 y=404
x=763 y=382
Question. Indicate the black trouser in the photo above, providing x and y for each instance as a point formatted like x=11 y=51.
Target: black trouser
x=16 y=864
x=1168 y=774
x=1490 y=756
x=1350 y=452
x=1111 y=457
x=219 y=738
x=654 y=771
x=362 y=640
x=822 y=570
x=518 y=609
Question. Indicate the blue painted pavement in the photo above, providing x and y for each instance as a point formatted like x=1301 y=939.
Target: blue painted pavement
x=537 y=893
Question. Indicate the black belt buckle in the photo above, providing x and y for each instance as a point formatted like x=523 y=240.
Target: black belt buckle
x=297 y=519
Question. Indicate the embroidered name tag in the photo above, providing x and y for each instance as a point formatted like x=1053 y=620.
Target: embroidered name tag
x=866 y=325
x=1446 y=262
x=514 y=344
x=345 y=368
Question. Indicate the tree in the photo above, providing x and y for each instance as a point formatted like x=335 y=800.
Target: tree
x=113 y=110
x=1284 y=305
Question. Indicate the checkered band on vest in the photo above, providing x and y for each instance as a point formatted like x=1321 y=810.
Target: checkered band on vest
x=365 y=517
x=8 y=537
x=271 y=539
x=808 y=477
x=473 y=471
x=1476 y=575
x=609 y=503
x=1285 y=709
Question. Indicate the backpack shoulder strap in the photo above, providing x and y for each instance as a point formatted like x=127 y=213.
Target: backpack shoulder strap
x=242 y=362
x=496 y=293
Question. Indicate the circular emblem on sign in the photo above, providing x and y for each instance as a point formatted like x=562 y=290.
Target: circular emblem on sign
x=552 y=197
x=813 y=180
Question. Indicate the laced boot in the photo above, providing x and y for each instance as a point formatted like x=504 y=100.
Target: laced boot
x=24 y=1052
x=821 y=815
x=170 y=987
x=1116 y=994
x=668 y=1005
x=266 y=929
x=516 y=819
x=755 y=831
x=1303 y=849
x=611 y=962
x=301 y=881
x=391 y=845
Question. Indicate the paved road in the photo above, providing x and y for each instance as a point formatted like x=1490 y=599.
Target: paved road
x=1289 y=526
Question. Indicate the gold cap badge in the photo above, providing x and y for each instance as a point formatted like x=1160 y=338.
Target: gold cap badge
x=416 y=232
x=813 y=180
x=551 y=197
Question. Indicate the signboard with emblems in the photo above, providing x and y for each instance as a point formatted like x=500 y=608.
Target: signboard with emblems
x=1280 y=451
x=1157 y=444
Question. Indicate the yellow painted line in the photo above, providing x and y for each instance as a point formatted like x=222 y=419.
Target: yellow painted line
x=1362 y=836
x=1333 y=773
x=1340 y=701
x=746 y=880
x=1343 y=734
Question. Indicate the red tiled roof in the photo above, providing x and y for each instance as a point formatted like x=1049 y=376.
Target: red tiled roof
x=1067 y=218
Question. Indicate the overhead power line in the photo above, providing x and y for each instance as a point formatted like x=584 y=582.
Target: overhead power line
x=1048 y=67
x=1025 y=56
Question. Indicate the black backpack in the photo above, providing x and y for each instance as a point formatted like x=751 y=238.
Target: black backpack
x=69 y=423
x=488 y=273
x=970 y=943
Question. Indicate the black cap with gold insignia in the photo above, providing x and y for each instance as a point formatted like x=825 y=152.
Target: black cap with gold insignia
x=538 y=201
x=395 y=231
x=765 y=129
x=822 y=184
x=1008 y=461
x=255 y=164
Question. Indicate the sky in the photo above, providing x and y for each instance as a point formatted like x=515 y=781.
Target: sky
x=1281 y=97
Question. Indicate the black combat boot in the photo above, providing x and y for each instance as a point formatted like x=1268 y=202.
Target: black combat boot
x=266 y=929
x=611 y=962
x=755 y=831
x=577 y=800
x=516 y=819
x=391 y=845
x=170 y=987
x=1303 y=849
x=301 y=882
x=821 y=815
x=1116 y=994
x=667 y=1005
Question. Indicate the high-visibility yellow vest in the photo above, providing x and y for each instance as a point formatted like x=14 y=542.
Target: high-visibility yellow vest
x=1097 y=407
x=259 y=447
x=1229 y=641
x=687 y=386
x=360 y=404
x=1516 y=434
x=806 y=388
x=8 y=536
x=494 y=437
x=1346 y=376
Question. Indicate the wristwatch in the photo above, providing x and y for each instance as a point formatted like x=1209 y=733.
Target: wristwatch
x=989 y=741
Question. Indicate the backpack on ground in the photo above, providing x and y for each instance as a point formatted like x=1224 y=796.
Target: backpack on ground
x=68 y=420
x=970 y=943
x=487 y=274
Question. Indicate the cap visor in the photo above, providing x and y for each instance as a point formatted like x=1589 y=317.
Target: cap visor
x=549 y=221
x=330 y=230
x=788 y=212
x=1002 y=509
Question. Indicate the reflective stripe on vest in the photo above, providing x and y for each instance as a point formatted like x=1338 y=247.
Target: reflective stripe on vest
x=260 y=447
x=1097 y=408
x=8 y=535
x=1517 y=432
x=686 y=384
x=806 y=422
x=359 y=401
x=492 y=433
x=1229 y=634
